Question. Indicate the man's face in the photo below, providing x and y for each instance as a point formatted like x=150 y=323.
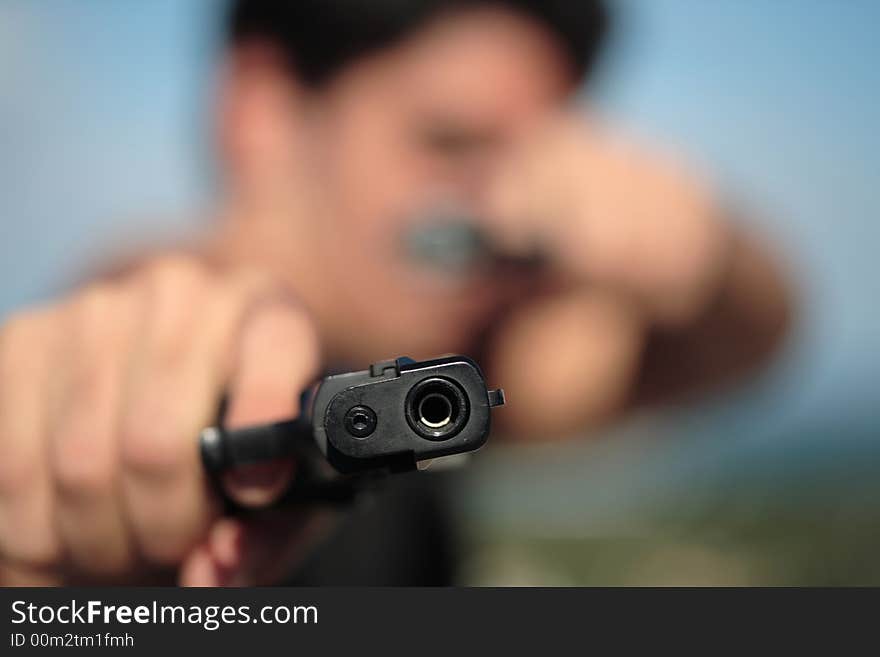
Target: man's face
x=398 y=134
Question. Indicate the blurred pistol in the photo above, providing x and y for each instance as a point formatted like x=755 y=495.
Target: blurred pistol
x=359 y=426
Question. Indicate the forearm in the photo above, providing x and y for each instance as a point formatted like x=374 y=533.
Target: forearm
x=740 y=328
x=583 y=356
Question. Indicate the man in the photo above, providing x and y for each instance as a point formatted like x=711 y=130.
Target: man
x=341 y=126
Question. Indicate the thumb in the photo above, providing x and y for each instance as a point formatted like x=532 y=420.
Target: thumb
x=278 y=357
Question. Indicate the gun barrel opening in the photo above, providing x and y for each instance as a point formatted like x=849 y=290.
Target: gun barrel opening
x=436 y=408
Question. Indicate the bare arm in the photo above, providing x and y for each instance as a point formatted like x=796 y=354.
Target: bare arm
x=662 y=297
x=739 y=331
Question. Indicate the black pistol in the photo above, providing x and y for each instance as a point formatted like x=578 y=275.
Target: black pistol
x=359 y=426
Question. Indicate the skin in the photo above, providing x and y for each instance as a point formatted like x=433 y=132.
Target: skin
x=648 y=294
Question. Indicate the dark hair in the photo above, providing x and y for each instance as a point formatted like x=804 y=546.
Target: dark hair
x=321 y=37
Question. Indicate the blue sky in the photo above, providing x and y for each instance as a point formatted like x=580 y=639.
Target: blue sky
x=103 y=135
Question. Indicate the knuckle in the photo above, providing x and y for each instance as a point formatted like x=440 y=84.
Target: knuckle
x=94 y=373
x=152 y=447
x=18 y=329
x=96 y=318
x=176 y=272
x=15 y=474
x=27 y=341
x=93 y=302
x=82 y=465
x=169 y=352
x=91 y=383
x=176 y=292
